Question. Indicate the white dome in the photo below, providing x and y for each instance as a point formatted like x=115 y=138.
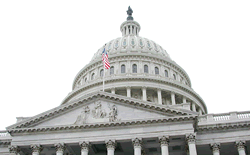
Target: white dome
x=131 y=44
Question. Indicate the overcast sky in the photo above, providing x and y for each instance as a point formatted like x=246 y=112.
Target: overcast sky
x=43 y=45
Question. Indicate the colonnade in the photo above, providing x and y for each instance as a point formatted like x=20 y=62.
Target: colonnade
x=159 y=98
x=137 y=144
x=240 y=145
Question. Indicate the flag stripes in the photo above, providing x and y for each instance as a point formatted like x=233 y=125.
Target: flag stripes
x=105 y=59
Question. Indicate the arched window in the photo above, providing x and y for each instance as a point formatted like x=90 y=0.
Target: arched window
x=145 y=68
x=174 y=76
x=156 y=70
x=112 y=70
x=85 y=80
x=101 y=73
x=166 y=73
x=134 y=68
x=123 y=69
x=93 y=76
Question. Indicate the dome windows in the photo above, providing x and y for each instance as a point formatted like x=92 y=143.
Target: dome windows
x=156 y=71
x=141 y=43
x=124 y=43
x=148 y=44
x=123 y=69
x=109 y=47
x=133 y=42
x=134 y=68
x=145 y=68
x=116 y=45
x=101 y=73
x=166 y=73
x=93 y=76
x=112 y=70
x=174 y=76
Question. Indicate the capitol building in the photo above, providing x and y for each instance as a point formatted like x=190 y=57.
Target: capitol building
x=148 y=107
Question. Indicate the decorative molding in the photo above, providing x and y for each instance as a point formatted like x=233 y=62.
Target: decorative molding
x=158 y=59
x=60 y=147
x=215 y=147
x=14 y=149
x=110 y=144
x=164 y=140
x=36 y=148
x=84 y=146
x=104 y=125
x=137 y=142
x=190 y=138
x=117 y=78
x=240 y=145
x=126 y=100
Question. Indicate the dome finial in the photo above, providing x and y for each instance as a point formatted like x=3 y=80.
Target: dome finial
x=129 y=13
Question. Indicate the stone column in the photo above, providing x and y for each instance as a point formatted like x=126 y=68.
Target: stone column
x=60 y=147
x=215 y=147
x=184 y=99
x=137 y=146
x=193 y=107
x=190 y=138
x=159 y=96
x=36 y=149
x=84 y=148
x=241 y=147
x=14 y=150
x=110 y=145
x=113 y=90
x=164 y=145
x=200 y=111
x=144 y=94
x=172 y=98
x=128 y=91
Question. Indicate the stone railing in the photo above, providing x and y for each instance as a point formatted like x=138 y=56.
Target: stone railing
x=4 y=134
x=225 y=117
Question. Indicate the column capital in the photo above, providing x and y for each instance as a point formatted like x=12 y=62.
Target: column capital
x=36 y=148
x=144 y=87
x=164 y=140
x=240 y=145
x=60 y=147
x=84 y=145
x=215 y=147
x=14 y=149
x=190 y=138
x=137 y=142
x=110 y=144
x=128 y=87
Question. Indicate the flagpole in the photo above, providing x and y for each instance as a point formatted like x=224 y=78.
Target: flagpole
x=103 y=77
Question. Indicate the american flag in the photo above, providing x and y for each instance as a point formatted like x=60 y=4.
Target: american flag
x=105 y=59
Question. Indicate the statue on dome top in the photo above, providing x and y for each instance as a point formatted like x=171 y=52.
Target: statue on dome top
x=129 y=13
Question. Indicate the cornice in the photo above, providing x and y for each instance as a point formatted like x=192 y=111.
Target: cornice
x=96 y=95
x=223 y=126
x=166 y=60
x=105 y=125
x=142 y=78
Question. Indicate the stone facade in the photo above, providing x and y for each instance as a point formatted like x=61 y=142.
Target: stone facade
x=148 y=107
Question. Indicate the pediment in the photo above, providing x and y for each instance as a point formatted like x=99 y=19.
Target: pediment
x=99 y=108
x=100 y=111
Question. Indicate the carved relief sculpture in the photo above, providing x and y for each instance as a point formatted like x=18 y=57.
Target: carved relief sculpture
x=98 y=112
x=83 y=116
x=113 y=113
